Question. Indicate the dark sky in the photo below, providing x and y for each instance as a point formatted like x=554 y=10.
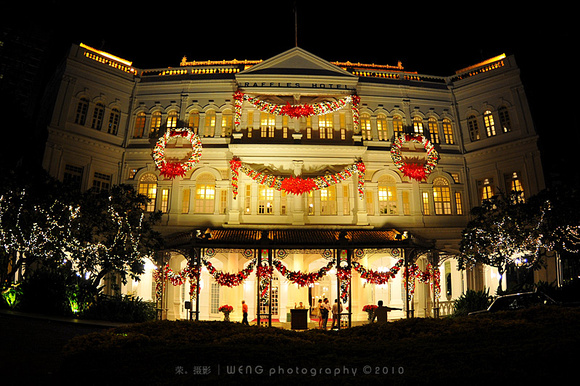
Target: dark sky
x=434 y=39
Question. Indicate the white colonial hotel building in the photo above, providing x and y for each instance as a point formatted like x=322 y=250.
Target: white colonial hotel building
x=108 y=116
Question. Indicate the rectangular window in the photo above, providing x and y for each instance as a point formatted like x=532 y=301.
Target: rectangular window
x=101 y=181
x=442 y=200
x=342 y=118
x=73 y=175
x=485 y=188
x=425 y=200
x=458 y=203
x=406 y=204
x=164 y=200
x=204 y=199
x=185 y=201
x=345 y=201
x=248 y=199
x=267 y=125
x=149 y=189
x=328 y=201
x=266 y=200
x=448 y=132
x=223 y=201
x=370 y=203
x=283 y=202
x=214 y=302
x=387 y=200
x=310 y=203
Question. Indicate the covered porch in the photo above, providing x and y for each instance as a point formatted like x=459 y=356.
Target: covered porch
x=275 y=270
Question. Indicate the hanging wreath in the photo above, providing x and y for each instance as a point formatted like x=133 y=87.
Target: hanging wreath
x=412 y=170
x=174 y=169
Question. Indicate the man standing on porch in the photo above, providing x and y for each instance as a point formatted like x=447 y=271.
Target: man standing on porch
x=336 y=310
x=245 y=313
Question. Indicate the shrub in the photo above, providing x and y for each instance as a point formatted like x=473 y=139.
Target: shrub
x=121 y=308
x=472 y=301
x=57 y=291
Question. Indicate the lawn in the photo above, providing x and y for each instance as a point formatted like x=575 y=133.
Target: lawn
x=529 y=346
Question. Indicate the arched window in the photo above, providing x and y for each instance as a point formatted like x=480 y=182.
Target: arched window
x=504 y=119
x=98 y=114
x=193 y=121
x=489 y=124
x=397 y=126
x=114 y=119
x=82 y=109
x=227 y=123
x=155 y=124
x=148 y=187
x=365 y=127
x=433 y=130
x=441 y=196
x=209 y=125
x=387 y=195
x=418 y=125
x=448 y=131
x=382 y=127
x=139 y=125
x=172 y=118
x=205 y=193
x=473 y=128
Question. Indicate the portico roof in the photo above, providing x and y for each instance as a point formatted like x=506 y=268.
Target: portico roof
x=306 y=238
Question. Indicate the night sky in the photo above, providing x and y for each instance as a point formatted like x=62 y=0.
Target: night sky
x=430 y=39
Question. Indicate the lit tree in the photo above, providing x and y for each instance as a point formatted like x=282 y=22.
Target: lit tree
x=112 y=234
x=31 y=225
x=503 y=232
x=559 y=208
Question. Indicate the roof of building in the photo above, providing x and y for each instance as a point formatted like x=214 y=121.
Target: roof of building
x=242 y=238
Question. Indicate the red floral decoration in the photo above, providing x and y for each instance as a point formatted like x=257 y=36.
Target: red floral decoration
x=412 y=170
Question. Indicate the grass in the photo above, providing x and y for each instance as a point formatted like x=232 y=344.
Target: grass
x=529 y=346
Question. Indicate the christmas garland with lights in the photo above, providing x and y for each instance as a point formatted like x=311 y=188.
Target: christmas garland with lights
x=375 y=277
x=414 y=170
x=229 y=279
x=302 y=279
x=296 y=111
x=297 y=185
x=174 y=169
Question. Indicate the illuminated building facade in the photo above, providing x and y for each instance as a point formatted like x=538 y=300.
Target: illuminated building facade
x=301 y=118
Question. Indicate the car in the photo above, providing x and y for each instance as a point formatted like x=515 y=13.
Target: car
x=517 y=302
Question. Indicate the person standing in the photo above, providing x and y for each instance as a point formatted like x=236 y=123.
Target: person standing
x=319 y=309
x=336 y=310
x=245 y=313
x=381 y=312
x=325 y=309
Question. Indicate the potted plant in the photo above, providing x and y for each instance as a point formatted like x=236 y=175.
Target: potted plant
x=370 y=309
x=226 y=310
